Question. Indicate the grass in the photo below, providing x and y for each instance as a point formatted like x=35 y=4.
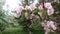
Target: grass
x=14 y=30
x=19 y=30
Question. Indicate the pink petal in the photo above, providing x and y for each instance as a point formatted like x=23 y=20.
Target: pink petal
x=19 y=10
x=50 y=11
x=40 y=7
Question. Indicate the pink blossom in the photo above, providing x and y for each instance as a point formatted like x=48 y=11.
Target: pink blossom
x=51 y=24
x=31 y=7
x=50 y=11
x=48 y=26
x=19 y=10
x=47 y=30
x=41 y=7
x=47 y=5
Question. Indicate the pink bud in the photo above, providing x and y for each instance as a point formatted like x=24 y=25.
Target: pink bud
x=40 y=7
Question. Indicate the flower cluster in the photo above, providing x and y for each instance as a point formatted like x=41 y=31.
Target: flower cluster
x=20 y=8
x=50 y=9
x=49 y=26
x=31 y=7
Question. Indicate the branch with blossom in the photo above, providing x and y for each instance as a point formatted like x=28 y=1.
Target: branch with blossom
x=49 y=26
